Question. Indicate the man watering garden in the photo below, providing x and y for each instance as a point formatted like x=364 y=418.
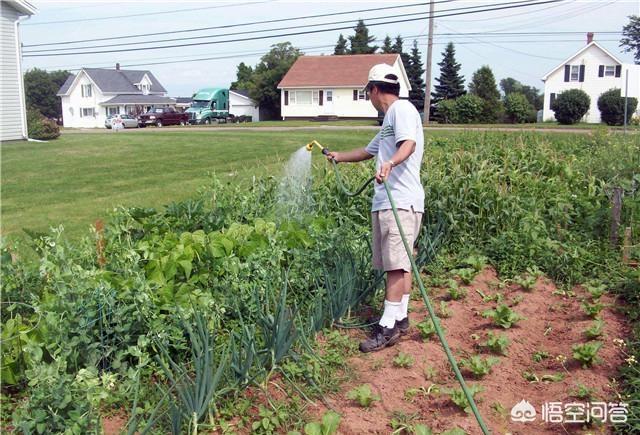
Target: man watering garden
x=398 y=148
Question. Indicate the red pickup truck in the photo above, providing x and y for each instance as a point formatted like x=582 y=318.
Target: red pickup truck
x=162 y=116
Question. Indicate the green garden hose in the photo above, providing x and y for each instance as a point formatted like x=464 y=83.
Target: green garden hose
x=423 y=292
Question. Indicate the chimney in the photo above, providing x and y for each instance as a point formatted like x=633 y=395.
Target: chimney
x=589 y=38
x=118 y=63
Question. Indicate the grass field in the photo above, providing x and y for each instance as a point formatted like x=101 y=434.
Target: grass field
x=78 y=178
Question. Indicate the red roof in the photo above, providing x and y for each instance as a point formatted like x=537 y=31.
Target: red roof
x=343 y=70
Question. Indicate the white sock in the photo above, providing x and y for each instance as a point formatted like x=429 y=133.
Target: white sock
x=404 y=308
x=390 y=314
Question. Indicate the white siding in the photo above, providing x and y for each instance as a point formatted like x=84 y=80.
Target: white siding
x=593 y=85
x=12 y=115
x=344 y=106
x=73 y=104
x=239 y=105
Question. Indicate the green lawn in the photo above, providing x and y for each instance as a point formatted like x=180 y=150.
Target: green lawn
x=77 y=178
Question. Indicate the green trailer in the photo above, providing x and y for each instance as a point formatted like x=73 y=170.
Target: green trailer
x=209 y=105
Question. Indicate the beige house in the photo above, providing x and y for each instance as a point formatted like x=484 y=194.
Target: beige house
x=332 y=87
x=13 y=118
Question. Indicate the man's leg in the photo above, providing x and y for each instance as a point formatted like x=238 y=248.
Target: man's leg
x=393 y=298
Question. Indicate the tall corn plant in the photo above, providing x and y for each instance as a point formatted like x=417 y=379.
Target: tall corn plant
x=431 y=238
x=193 y=390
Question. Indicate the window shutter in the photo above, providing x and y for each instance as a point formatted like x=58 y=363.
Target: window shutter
x=601 y=71
x=618 y=70
x=551 y=100
x=82 y=89
x=286 y=98
x=320 y=96
x=567 y=72
x=581 y=73
x=355 y=95
x=80 y=112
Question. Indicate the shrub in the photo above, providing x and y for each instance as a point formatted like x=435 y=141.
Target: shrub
x=40 y=127
x=518 y=109
x=468 y=109
x=611 y=106
x=446 y=111
x=570 y=106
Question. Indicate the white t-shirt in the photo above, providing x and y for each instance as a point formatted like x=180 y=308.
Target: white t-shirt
x=401 y=122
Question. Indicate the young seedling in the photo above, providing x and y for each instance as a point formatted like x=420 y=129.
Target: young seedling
x=595 y=330
x=595 y=289
x=430 y=373
x=592 y=310
x=403 y=360
x=503 y=316
x=363 y=396
x=583 y=392
x=328 y=426
x=458 y=397
x=402 y=423
x=516 y=300
x=587 y=354
x=426 y=328
x=466 y=274
x=477 y=262
x=456 y=292
x=479 y=366
x=526 y=281
x=540 y=355
x=497 y=343
x=445 y=312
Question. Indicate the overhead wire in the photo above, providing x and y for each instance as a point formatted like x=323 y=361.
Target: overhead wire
x=285 y=34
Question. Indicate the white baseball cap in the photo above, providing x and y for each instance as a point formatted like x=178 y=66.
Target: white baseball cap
x=384 y=73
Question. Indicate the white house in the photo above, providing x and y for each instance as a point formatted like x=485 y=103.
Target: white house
x=594 y=70
x=333 y=86
x=13 y=118
x=93 y=94
x=241 y=105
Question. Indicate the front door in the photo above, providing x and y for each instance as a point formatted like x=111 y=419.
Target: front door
x=328 y=102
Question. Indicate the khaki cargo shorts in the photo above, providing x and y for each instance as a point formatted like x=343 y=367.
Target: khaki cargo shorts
x=388 y=249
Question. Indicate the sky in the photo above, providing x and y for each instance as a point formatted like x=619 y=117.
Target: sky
x=526 y=57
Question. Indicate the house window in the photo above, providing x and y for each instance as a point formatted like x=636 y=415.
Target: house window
x=302 y=97
x=609 y=71
x=112 y=111
x=316 y=98
x=575 y=73
x=329 y=95
x=145 y=88
x=86 y=90
x=87 y=111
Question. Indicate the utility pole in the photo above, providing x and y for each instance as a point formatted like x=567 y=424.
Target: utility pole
x=427 y=93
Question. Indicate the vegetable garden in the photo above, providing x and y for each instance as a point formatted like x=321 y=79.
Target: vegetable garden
x=228 y=313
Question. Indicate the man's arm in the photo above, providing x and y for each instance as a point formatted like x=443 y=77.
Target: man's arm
x=356 y=155
x=405 y=149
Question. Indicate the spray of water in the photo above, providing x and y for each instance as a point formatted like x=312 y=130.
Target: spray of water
x=294 y=196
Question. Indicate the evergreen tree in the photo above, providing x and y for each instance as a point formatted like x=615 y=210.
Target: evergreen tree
x=397 y=47
x=360 y=40
x=386 y=46
x=450 y=83
x=533 y=94
x=341 y=46
x=415 y=72
x=41 y=88
x=483 y=85
x=631 y=40
x=243 y=77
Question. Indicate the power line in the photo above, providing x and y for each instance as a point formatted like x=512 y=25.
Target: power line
x=528 y=4
x=226 y=26
x=144 y=14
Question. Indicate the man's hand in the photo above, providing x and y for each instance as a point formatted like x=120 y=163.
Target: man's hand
x=333 y=155
x=384 y=172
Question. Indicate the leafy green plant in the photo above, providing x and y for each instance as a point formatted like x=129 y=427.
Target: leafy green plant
x=363 y=395
x=526 y=281
x=595 y=330
x=328 y=425
x=479 y=366
x=503 y=316
x=592 y=310
x=540 y=355
x=596 y=289
x=426 y=328
x=497 y=343
x=476 y=261
x=466 y=274
x=456 y=292
x=269 y=420
x=458 y=397
x=583 y=392
x=587 y=354
x=430 y=373
x=403 y=360
x=445 y=311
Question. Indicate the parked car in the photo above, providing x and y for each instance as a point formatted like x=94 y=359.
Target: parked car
x=128 y=121
x=160 y=116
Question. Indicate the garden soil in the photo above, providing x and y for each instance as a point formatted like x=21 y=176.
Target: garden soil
x=554 y=323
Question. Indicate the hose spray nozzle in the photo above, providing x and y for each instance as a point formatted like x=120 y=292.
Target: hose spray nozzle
x=310 y=145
